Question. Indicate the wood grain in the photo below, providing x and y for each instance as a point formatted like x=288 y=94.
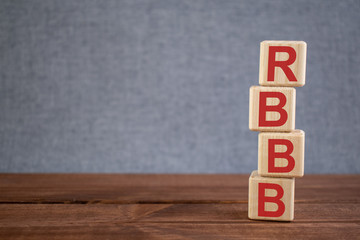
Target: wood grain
x=189 y=231
x=15 y=215
x=113 y=206
x=142 y=188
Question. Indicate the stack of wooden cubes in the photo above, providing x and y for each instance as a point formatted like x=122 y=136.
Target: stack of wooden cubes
x=280 y=145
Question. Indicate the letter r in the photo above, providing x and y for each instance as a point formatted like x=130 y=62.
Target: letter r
x=284 y=65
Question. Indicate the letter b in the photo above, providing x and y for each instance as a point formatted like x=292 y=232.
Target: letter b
x=272 y=109
x=281 y=154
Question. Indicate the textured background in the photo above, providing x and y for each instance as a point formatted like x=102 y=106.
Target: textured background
x=162 y=86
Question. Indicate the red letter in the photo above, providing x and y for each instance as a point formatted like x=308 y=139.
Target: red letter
x=262 y=199
x=263 y=108
x=272 y=155
x=284 y=65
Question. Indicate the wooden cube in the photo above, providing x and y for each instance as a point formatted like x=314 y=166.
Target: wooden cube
x=271 y=198
x=272 y=109
x=282 y=63
x=281 y=154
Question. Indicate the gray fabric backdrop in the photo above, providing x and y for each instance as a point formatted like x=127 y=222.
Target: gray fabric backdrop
x=162 y=86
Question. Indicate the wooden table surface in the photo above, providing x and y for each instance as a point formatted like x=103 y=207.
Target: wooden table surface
x=123 y=206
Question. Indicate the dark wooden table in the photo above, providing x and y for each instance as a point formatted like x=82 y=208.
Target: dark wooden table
x=118 y=206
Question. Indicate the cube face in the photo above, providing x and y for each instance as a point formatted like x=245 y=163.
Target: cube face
x=272 y=109
x=281 y=154
x=282 y=63
x=271 y=198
